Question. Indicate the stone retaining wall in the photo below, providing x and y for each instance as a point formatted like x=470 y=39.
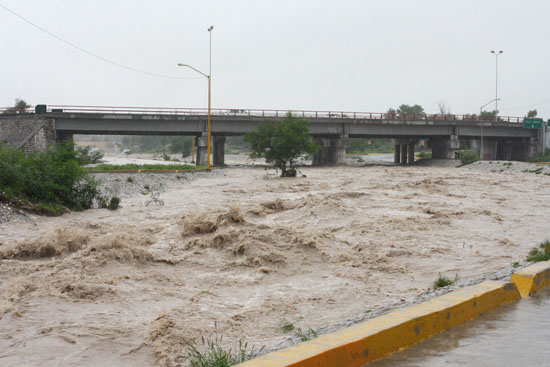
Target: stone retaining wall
x=27 y=132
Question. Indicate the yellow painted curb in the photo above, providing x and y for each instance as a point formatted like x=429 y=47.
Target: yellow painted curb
x=378 y=337
x=532 y=278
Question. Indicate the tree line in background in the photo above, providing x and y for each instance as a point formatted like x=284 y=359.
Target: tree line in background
x=181 y=145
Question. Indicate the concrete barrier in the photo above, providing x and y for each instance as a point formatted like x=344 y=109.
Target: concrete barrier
x=532 y=278
x=381 y=336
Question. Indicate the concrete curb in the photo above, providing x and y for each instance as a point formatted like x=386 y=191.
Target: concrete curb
x=383 y=335
x=532 y=278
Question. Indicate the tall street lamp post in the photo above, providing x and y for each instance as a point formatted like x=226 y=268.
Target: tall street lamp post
x=496 y=78
x=209 y=93
x=481 y=124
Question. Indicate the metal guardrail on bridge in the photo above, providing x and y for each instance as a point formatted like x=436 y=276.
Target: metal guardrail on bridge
x=265 y=113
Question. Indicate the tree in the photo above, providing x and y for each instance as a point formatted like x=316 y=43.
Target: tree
x=489 y=115
x=282 y=143
x=181 y=144
x=406 y=111
x=20 y=106
x=532 y=113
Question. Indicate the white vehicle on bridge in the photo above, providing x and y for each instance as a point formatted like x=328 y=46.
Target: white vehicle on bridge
x=236 y=112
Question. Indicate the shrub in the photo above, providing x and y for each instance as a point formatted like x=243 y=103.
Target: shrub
x=540 y=253
x=114 y=203
x=424 y=155
x=84 y=155
x=443 y=281
x=287 y=326
x=467 y=157
x=51 y=180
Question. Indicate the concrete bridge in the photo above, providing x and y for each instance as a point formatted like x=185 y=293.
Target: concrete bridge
x=503 y=137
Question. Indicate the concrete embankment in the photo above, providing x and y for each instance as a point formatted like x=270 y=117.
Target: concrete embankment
x=381 y=336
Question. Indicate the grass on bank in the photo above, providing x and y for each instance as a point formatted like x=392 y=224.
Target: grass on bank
x=540 y=253
x=443 y=281
x=210 y=353
x=135 y=167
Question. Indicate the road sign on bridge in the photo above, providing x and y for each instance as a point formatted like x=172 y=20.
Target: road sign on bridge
x=532 y=123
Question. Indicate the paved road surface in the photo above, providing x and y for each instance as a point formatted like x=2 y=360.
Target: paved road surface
x=512 y=335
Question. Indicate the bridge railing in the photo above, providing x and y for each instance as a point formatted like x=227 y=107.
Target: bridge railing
x=270 y=113
x=16 y=110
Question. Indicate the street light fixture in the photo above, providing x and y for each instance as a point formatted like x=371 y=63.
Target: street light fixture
x=496 y=78
x=481 y=124
x=209 y=77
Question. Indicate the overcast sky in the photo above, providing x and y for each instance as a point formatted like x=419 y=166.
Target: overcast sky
x=297 y=54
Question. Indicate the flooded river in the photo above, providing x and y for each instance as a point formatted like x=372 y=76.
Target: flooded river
x=242 y=252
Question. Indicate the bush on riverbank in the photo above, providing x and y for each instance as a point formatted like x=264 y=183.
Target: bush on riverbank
x=424 y=155
x=540 y=253
x=467 y=157
x=542 y=158
x=48 y=181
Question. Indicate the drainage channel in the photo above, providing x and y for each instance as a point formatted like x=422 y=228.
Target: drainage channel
x=511 y=335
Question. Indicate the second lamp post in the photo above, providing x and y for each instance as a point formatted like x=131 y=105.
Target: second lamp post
x=209 y=77
x=496 y=78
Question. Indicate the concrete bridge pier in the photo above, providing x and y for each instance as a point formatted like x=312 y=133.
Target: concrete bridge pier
x=332 y=150
x=507 y=149
x=404 y=151
x=410 y=160
x=320 y=157
x=444 y=148
x=339 y=145
x=201 y=142
x=218 y=153
x=397 y=154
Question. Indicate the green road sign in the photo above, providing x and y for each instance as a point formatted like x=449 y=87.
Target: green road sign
x=532 y=123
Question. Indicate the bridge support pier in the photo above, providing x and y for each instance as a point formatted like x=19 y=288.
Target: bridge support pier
x=506 y=149
x=202 y=150
x=332 y=150
x=339 y=145
x=404 y=152
x=410 y=161
x=397 y=155
x=444 y=148
x=218 y=155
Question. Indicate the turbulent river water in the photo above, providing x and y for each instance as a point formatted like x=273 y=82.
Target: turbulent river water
x=241 y=252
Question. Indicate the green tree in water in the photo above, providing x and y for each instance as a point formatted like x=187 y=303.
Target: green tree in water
x=282 y=143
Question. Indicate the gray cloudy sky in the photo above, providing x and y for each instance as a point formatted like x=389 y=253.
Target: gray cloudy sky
x=302 y=54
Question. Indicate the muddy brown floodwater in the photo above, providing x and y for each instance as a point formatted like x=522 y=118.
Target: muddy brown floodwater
x=245 y=252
